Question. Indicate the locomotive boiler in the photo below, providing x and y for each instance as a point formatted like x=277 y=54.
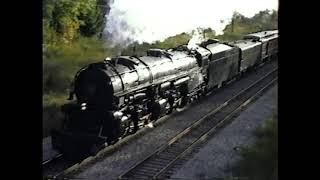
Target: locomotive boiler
x=117 y=96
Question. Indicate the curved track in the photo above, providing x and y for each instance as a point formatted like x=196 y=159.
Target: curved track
x=50 y=161
x=159 y=165
x=58 y=167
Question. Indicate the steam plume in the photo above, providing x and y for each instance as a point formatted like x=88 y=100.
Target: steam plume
x=151 y=20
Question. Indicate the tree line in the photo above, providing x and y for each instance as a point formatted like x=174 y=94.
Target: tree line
x=72 y=32
x=66 y=20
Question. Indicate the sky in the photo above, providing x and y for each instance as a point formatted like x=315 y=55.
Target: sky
x=151 y=20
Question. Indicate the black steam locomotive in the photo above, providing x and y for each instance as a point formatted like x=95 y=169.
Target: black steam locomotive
x=118 y=96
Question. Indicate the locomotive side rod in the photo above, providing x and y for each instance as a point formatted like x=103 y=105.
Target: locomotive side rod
x=71 y=168
x=167 y=171
x=156 y=164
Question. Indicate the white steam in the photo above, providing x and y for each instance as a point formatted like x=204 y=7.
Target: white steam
x=197 y=38
x=151 y=20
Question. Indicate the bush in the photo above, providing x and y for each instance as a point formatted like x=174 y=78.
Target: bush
x=52 y=116
x=60 y=64
x=228 y=36
x=66 y=50
x=260 y=162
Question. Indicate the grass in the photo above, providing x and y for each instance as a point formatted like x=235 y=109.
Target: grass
x=52 y=116
x=260 y=161
x=62 y=61
x=60 y=64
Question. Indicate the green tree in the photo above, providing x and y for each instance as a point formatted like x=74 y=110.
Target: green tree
x=69 y=19
x=241 y=25
x=209 y=33
x=274 y=19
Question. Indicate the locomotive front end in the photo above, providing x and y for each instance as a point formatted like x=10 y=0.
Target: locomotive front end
x=90 y=120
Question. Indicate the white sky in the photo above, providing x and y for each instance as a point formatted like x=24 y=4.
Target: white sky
x=157 y=19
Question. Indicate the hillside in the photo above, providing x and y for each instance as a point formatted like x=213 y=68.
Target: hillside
x=72 y=38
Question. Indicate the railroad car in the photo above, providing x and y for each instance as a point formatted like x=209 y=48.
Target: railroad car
x=250 y=53
x=269 y=40
x=223 y=62
x=118 y=96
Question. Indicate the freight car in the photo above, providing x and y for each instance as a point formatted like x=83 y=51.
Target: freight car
x=116 y=97
x=269 y=40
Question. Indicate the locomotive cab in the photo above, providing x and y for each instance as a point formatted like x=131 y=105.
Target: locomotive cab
x=118 y=96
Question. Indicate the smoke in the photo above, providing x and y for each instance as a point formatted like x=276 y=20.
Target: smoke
x=197 y=38
x=151 y=20
x=119 y=27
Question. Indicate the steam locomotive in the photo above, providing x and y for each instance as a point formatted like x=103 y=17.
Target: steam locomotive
x=118 y=96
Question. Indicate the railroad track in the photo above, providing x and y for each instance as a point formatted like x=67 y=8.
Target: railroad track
x=161 y=163
x=49 y=161
x=55 y=166
x=58 y=168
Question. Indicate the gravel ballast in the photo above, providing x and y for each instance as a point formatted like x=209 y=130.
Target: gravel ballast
x=111 y=166
x=125 y=157
x=218 y=155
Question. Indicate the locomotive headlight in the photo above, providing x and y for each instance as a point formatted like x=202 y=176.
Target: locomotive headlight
x=117 y=115
x=124 y=118
x=83 y=106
